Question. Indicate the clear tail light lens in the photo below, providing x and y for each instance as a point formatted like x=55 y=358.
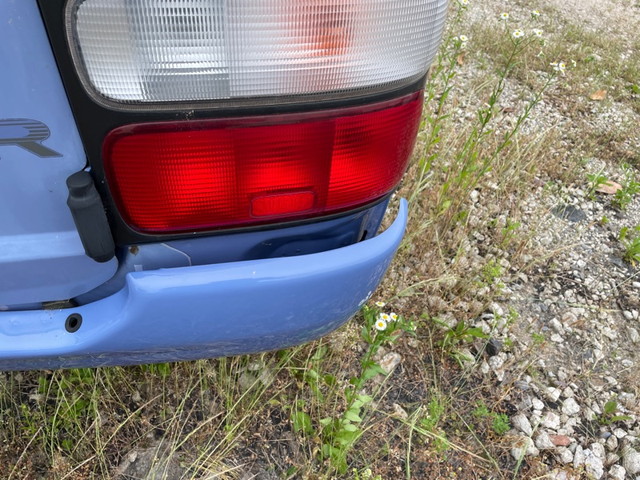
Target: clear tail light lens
x=146 y=51
x=194 y=176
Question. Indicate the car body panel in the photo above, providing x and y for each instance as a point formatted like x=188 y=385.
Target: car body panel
x=283 y=241
x=41 y=255
x=206 y=311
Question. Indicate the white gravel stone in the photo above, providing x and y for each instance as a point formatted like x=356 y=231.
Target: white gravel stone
x=552 y=393
x=570 y=407
x=551 y=420
x=631 y=461
x=588 y=412
x=535 y=417
x=629 y=441
x=569 y=318
x=619 y=433
x=612 y=443
x=543 y=442
x=578 y=457
x=609 y=333
x=564 y=454
x=496 y=362
x=634 y=336
x=555 y=338
x=562 y=375
x=524 y=446
x=559 y=475
x=521 y=422
x=496 y=309
x=612 y=458
x=628 y=400
x=594 y=465
x=390 y=361
x=628 y=315
x=567 y=392
x=556 y=325
x=598 y=450
x=617 y=472
x=537 y=404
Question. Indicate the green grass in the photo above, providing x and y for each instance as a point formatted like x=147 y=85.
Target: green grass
x=630 y=240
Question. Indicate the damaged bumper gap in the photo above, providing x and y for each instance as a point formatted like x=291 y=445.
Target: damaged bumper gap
x=205 y=311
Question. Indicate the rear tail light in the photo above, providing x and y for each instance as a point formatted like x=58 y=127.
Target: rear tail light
x=270 y=51
x=194 y=176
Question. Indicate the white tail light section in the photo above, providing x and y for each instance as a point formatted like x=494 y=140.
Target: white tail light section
x=156 y=51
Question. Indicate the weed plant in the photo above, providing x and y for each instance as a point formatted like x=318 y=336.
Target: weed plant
x=609 y=413
x=630 y=188
x=630 y=239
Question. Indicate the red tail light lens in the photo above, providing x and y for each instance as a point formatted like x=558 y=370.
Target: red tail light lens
x=194 y=176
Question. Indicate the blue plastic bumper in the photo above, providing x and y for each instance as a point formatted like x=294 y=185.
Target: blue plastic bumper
x=205 y=311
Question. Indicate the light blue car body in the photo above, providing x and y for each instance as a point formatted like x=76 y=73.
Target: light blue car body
x=202 y=297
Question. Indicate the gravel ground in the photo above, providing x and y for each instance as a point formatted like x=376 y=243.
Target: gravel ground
x=578 y=403
x=571 y=362
x=607 y=17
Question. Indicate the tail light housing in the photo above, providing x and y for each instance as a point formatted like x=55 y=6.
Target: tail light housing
x=191 y=176
x=206 y=115
x=134 y=53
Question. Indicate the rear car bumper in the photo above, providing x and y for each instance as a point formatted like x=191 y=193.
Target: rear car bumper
x=205 y=311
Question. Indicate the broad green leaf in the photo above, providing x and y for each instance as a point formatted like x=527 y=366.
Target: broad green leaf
x=352 y=415
x=302 y=422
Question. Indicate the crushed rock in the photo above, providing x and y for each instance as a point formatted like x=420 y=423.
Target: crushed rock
x=578 y=301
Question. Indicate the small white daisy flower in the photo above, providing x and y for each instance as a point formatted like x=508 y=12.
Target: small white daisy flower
x=463 y=39
x=535 y=13
x=537 y=32
x=381 y=324
x=517 y=33
x=463 y=3
x=504 y=16
x=380 y=304
x=384 y=316
x=559 y=66
x=393 y=316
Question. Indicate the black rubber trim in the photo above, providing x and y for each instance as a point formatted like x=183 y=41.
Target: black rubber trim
x=73 y=323
x=95 y=121
x=89 y=217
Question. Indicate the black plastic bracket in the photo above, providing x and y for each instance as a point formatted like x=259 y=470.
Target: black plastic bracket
x=90 y=217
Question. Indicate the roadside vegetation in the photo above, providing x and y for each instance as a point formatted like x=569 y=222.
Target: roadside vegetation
x=399 y=392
